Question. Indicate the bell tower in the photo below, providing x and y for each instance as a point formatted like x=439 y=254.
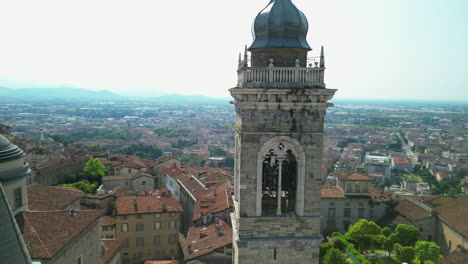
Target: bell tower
x=281 y=101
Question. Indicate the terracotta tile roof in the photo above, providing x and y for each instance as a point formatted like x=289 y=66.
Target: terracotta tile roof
x=112 y=248
x=126 y=176
x=50 y=198
x=454 y=213
x=352 y=176
x=148 y=204
x=128 y=161
x=218 y=200
x=57 y=164
x=164 y=159
x=162 y=262
x=401 y=160
x=411 y=211
x=45 y=240
x=107 y=221
x=202 y=240
x=458 y=256
x=331 y=192
x=381 y=196
x=425 y=197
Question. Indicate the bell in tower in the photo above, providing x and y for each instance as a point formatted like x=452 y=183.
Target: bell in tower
x=281 y=101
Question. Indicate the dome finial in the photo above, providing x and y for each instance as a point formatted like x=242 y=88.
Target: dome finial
x=280 y=24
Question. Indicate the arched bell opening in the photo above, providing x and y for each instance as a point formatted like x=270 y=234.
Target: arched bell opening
x=279 y=181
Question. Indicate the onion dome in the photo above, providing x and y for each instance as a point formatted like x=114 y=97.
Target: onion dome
x=9 y=151
x=280 y=24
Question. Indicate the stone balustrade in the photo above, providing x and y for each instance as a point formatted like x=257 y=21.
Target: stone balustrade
x=277 y=77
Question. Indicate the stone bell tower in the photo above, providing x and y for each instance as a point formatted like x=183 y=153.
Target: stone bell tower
x=280 y=102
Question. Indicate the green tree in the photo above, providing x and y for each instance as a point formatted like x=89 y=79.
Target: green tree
x=364 y=233
x=386 y=231
x=94 y=170
x=387 y=243
x=406 y=235
x=404 y=254
x=218 y=152
x=381 y=185
x=229 y=162
x=333 y=256
x=427 y=251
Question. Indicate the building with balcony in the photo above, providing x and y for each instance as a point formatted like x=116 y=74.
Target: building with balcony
x=280 y=101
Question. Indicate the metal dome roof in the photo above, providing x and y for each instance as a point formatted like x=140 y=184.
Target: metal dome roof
x=9 y=151
x=280 y=24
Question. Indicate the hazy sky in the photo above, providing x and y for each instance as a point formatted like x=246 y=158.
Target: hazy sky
x=386 y=49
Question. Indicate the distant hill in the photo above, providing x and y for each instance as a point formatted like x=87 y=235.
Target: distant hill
x=55 y=93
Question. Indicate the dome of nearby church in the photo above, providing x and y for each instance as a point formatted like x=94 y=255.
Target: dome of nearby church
x=9 y=151
x=280 y=24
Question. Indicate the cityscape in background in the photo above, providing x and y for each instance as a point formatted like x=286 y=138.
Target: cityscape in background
x=413 y=154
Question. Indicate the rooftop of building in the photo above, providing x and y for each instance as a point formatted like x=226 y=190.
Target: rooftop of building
x=45 y=240
x=51 y=198
x=157 y=202
x=8 y=150
x=162 y=262
x=352 y=176
x=457 y=256
x=202 y=240
x=280 y=24
x=215 y=201
x=112 y=248
x=454 y=214
x=411 y=210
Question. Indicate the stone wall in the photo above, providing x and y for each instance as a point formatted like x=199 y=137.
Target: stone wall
x=87 y=246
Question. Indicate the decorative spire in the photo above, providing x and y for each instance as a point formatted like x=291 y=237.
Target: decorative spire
x=240 y=57
x=245 y=57
x=322 y=58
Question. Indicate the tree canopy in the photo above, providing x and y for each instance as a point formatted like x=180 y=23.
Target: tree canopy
x=333 y=256
x=427 y=251
x=94 y=170
x=364 y=233
x=407 y=235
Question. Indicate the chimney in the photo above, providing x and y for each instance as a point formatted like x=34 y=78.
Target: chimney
x=219 y=230
x=135 y=205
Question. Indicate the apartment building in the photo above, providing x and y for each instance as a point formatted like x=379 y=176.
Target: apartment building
x=150 y=225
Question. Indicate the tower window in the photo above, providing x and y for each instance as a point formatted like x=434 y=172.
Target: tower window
x=279 y=181
x=274 y=254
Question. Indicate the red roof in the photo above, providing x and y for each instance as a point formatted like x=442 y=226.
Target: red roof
x=45 y=240
x=352 y=176
x=331 y=192
x=162 y=262
x=50 y=198
x=411 y=210
x=454 y=213
x=218 y=200
x=113 y=248
x=206 y=239
x=401 y=160
x=147 y=204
